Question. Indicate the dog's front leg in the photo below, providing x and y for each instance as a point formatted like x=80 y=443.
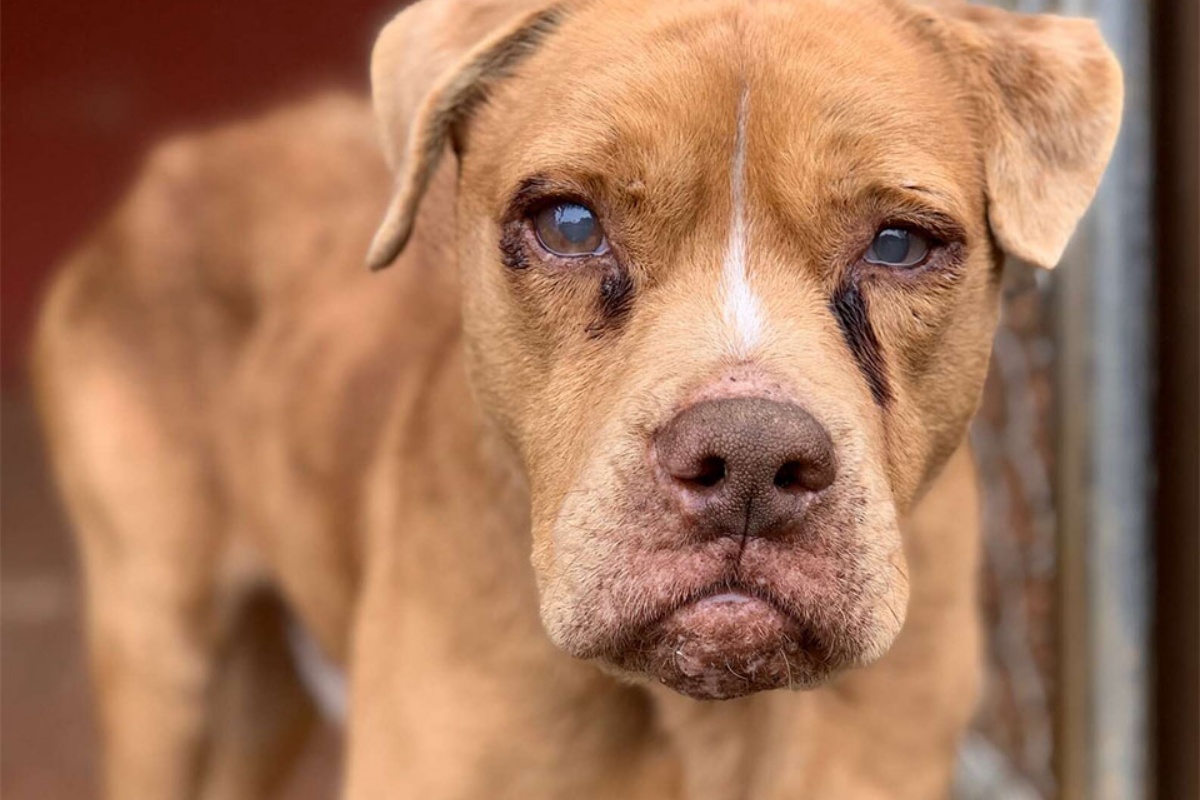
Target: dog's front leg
x=479 y=704
x=455 y=689
x=152 y=665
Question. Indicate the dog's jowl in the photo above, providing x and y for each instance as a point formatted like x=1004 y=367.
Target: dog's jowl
x=639 y=472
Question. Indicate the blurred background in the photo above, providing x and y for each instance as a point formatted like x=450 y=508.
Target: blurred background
x=1087 y=441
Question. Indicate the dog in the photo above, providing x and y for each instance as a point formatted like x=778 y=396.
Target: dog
x=641 y=472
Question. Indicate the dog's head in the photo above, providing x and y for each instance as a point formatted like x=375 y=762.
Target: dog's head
x=730 y=279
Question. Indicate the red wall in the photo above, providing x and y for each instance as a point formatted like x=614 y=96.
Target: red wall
x=87 y=85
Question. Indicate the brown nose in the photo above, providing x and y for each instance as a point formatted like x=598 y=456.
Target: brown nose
x=746 y=466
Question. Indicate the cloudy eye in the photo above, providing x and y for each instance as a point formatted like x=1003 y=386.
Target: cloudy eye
x=897 y=247
x=569 y=229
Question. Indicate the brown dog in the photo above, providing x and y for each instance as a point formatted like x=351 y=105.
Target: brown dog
x=697 y=319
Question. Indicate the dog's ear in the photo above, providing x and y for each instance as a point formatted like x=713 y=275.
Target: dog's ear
x=431 y=67
x=1050 y=94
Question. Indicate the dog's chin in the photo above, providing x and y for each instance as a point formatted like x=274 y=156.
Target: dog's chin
x=728 y=645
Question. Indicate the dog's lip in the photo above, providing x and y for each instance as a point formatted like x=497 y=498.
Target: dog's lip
x=724 y=640
x=733 y=597
x=733 y=590
x=730 y=591
x=718 y=573
x=732 y=594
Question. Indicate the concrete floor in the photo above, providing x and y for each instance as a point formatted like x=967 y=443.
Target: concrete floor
x=48 y=747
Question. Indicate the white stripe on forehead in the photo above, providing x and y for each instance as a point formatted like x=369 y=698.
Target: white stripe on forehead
x=740 y=307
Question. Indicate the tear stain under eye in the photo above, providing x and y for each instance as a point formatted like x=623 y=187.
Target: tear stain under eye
x=849 y=305
x=614 y=302
x=512 y=248
x=615 y=293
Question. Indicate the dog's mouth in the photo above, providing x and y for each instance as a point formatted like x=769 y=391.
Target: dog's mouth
x=727 y=640
x=723 y=616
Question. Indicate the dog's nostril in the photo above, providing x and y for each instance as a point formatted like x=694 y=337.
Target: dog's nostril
x=788 y=478
x=795 y=477
x=709 y=472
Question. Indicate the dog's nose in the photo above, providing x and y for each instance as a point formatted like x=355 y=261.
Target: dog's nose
x=746 y=466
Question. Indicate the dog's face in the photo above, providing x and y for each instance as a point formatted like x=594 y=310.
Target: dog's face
x=731 y=273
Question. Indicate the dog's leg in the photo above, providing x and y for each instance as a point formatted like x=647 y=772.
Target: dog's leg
x=152 y=630
x=147 y=520
x=485 y=707
x=263 y=714
x=122 y=392
x=196 y=689
x=446 y=731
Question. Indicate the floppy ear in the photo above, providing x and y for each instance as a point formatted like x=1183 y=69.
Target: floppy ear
x=431 y=67
x=1050 y=95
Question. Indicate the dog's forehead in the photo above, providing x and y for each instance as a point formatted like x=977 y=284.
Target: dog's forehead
x=831 y=90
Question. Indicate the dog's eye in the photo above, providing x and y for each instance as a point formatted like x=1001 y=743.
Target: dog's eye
x=897 y=247
x=569 y=229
